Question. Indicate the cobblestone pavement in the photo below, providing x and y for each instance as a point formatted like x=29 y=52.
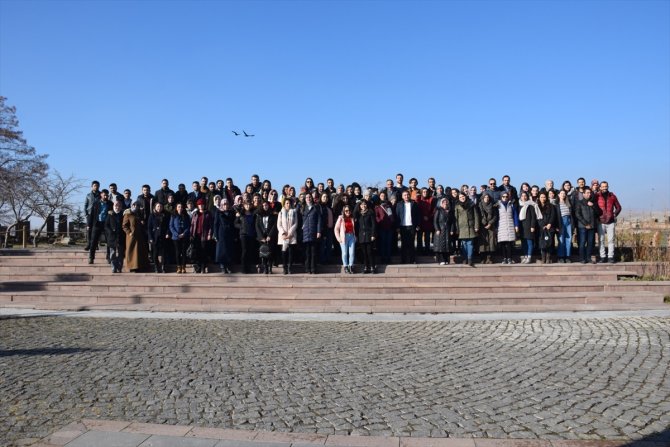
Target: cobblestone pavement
x=549 y=379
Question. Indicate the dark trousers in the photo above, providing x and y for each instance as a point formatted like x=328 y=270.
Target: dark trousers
x=180 y=246
x=407 y=251
x=506 y=249
x=423 y=241
x=368 y=255
x=586 y=243
x=97 y=230
x=249 y=250
x=384 y=245
x=287 y=258
x=311 y=249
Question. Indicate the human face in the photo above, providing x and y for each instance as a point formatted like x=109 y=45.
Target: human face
x=604 y=187
x=103 y=196
x=444 y=203
x=287 y=205
x=473 y=190
x=524 y=196
x=195 y=186
x=212 y=186
x=112 y=189
x=543 y=199
x=255 y=180
x=506 y=181
x=486 y=198
x=504 y=197
x=324 y=198
x=424 y=193
x=562 y=195
x=549 y=184
x=158 y=207
x=146 y=191
x=587 y=194
x=309 y=199
x=256 y=200
x=461 y=198
x=179 y=208
x=203 y=182
x=95 y=187
x=389 y=184
x=431 y=182
x=405 y=196
x=117 y=207
x=346 y=211
x=399 y=179
x=492 y=184
x=219 y=184
x=164 y=183
x=413 y=183
x=364 y=206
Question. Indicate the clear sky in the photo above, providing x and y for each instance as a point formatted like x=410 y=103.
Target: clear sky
x=134 y=91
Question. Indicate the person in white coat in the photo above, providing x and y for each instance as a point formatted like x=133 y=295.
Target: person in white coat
x=287 y=229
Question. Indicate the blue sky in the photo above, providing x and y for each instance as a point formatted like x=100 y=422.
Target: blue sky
x=134 y=91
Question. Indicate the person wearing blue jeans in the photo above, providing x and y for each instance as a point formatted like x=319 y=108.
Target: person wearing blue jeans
x=345 y=228
x=586 y=213
x=565 y=231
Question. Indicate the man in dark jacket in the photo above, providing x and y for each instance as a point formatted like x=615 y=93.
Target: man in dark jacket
x=586 y=213
x=91 y=197
x=97 y=219
x=609 y=210
x=164 y=191
x=409 y=218
x=116 y=238
x=511 y=190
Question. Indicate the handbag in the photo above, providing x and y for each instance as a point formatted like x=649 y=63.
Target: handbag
x=191 y=252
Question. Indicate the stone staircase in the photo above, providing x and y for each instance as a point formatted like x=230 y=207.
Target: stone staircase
x=62 y=279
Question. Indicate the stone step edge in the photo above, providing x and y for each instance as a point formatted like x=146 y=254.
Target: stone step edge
x=76 y=429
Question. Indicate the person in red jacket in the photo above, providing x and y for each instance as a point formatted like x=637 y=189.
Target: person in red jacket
x=610 y=208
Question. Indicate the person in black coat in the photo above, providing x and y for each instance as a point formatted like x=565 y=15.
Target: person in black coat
x=587 y=213
x=528 y=221
x=158 y=236
x=548 y=224
x=224 y=235
x=116 y=238
x=366 y=235
x=245 y=222
x=266 y=234
x=409 y=218
x=445 y=229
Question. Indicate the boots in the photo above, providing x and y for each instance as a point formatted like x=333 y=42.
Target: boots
x=284 y=261
x=488 y=260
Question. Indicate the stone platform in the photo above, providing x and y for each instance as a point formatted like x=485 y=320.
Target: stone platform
x=63 y=280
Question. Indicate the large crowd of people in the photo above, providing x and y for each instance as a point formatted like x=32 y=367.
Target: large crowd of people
x=259 y=227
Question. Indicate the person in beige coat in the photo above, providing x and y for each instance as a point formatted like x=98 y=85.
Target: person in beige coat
x=287 y=230
x=137 y=252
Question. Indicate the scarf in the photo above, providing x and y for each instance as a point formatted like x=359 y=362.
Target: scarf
x=524 y=209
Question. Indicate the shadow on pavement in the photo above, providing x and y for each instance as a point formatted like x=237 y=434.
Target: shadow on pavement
x=45 y=351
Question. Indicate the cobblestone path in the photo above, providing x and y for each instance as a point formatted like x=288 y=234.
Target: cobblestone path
x=549 y=379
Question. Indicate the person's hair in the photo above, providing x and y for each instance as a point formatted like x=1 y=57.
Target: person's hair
x=146 y=186
x=604 y=181
x=582 y=179
x=95 y=182
x=211 y=184
x=229 y=178
x=400 y=174
x=165 y=180
x=506 y=176
x=568 y=182
x=255 y=176
x=413 y=180
x=112 y=184
x=181 y=185
x=104 y=191
x=126 y=191
x=195 y=182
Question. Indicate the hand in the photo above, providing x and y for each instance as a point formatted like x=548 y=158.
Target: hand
x=437 y=231
x=318 y=235
x=532 y=230
x=372 y=238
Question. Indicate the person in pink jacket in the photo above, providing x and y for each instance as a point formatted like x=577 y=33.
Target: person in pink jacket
x=345 y=233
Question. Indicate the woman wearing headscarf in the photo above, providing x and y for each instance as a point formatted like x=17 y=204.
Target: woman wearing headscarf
x=528 y=213
x=137 y=255
x=266 y=231
x=489 y=228
x=445 y=228
x=224 y=235
x=508 y=226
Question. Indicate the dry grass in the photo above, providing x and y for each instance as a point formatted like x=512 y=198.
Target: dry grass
x=640 y=246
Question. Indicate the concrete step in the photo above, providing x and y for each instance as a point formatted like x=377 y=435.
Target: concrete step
x=437 y=276
x=593 y=301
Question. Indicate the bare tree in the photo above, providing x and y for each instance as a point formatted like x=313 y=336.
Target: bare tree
x=53 y=197
x=22 y=170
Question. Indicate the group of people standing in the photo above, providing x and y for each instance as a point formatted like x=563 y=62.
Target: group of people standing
x=258 y=228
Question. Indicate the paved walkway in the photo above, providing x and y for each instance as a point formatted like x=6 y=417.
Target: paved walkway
x=103 y=433
x=551 y=379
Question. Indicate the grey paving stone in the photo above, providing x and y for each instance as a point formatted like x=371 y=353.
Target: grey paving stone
x=175 y=441
x=108 y=439
x=584 y=378
x=228 y=443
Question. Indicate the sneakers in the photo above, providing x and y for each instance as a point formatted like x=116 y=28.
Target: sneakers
x=443 y=263
x=611 y=261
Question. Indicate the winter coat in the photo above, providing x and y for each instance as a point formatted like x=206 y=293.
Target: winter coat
x=311 y=223
x=443 y=221
x=341 y=230
x=180 y=224
x=116 y=238
x=263 y=232
x=137 y=253
x=488 y=237
x=549 y=216
x=366 y=227
x=385 y=221
x=246 y=224
x=529 y=222
x=204 y=232
x=157 y=227
x=609 y=207
x=467 y=220
x=426 y=210
x=224 y=234
x=507 y=221
x=587 y=215
x=287 y=223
